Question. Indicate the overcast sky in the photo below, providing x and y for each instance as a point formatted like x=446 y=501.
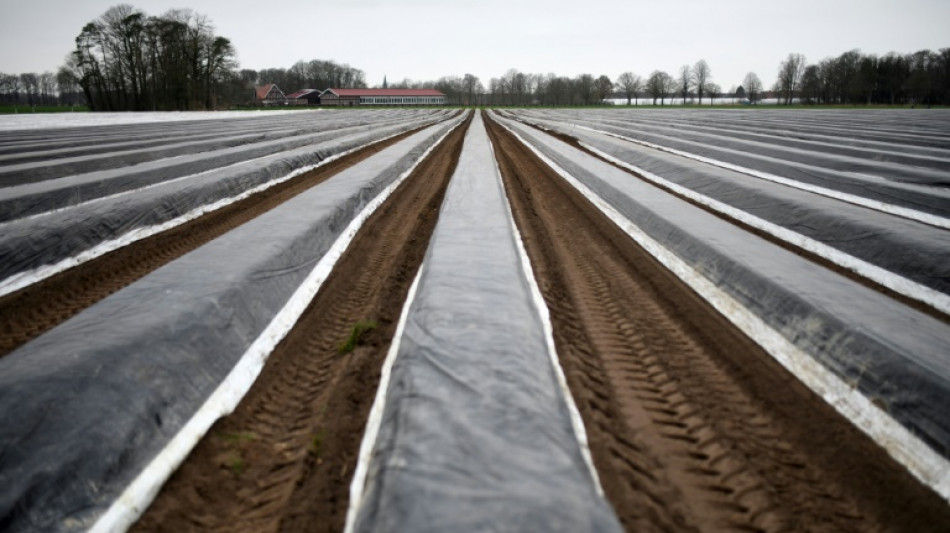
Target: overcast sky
x=427 y=39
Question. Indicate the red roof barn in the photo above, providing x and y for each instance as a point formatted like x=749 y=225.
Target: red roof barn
x=304 y=97
x=270 y=94
x=387 y=97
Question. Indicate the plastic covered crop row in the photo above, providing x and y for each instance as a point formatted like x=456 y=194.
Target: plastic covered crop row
x=89 y=405
x=475 y=431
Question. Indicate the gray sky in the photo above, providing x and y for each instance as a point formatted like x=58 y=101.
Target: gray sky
x=427 y=39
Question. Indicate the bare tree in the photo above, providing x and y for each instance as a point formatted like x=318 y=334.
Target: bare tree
x=584 y=84
x=685 y=81
x=790 y=76
x=603 y=88
x=667 y=86
x=127 y=61
x=713 y=90
x=753 y=86
x=29 y=81
x=9 y=88
x=701 y=78
x=472 y=87
x=660 y=85
x=558 y=89
x=630 y=84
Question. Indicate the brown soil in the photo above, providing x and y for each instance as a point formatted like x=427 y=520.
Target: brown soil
x=283 y=461
x=692 y=426
x=35 y=309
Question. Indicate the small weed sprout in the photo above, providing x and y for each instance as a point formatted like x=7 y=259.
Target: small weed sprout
x=237 y=438
x=237 y=466
x=316 y=443
x=356 y=334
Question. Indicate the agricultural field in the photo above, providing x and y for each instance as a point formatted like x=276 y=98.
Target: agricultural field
x=443 y=320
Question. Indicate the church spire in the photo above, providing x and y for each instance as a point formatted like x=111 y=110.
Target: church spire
x=385 y=85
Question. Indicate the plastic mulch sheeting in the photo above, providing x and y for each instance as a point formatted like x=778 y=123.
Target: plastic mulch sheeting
x=30 y=243
x=917 y=251
x=476 y=433
x=892 y=354
x=910 y=181
x=86 y=406
x=195 y=146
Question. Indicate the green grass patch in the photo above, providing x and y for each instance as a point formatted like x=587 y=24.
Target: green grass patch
x=357 y=333
x=25 y=109
x=237 y=438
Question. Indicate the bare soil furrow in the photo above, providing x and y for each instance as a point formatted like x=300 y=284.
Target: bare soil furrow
x=716 y=435
x=35 y=309
x=303 y=419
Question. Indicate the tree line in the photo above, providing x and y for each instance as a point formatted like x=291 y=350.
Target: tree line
x=921 y=78
x=126 y=60
x=516 y=88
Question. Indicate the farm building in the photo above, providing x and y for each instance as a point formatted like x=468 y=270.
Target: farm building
x=270 y=94
x=304 y=97
x=387 y=97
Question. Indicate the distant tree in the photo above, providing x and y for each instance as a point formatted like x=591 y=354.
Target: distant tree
x=472 y=87
x=30 y=84
x=790 y=76
x=515 y=86
x=603 y=88
x=452 y=87
x=685 y=81
x=630 y=84
x=668 y=86
x=660 y=85
x=811 y=87
x=70 y=93
x=584 y=87
x=922 y=78
x=753 y=86
x=559 y=89
x=9 y=88
x=654 y=86
x=701 y=78
x=125 y=60
x=713 y=90
x=942 y=74
x=47 y=88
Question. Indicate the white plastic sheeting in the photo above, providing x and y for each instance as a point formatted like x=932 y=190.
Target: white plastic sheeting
x=915 y=180
x=476 y=431
x=89 y=404
x=917 y=251
x=30 y=244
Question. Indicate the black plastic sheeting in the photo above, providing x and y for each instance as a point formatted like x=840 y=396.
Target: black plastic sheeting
x=906 y=185
x=914 y=250
x=892 y=354
x=88 y=404
x=30 y=243
x=476 y=435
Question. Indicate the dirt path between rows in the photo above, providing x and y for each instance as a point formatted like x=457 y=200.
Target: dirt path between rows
x=33 y=310
x=692 y=426
x=283 y=461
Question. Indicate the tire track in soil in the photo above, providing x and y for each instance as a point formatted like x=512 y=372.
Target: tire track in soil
x=33 y=310
x=283 y=461
x=691 y=425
